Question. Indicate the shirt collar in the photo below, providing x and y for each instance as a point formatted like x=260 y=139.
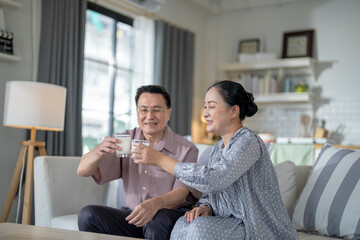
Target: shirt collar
x=234 y=137
x=167 y=141
x=237 y=133
x=138 y=134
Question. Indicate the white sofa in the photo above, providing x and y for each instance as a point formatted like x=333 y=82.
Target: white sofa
x=59 y=193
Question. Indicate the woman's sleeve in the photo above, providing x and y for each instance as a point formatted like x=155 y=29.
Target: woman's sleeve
x=205 y=201
x=239 y=158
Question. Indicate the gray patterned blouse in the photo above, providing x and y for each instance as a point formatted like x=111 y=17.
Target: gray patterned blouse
x=240 y=182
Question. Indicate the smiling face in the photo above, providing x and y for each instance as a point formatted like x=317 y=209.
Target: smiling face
x=153 y=122
x=217 y=113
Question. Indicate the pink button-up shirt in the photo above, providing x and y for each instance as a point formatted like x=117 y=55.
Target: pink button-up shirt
x=142 y=182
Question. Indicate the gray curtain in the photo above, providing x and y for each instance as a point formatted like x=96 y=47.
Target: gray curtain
x=174 y=68
x=61 y=59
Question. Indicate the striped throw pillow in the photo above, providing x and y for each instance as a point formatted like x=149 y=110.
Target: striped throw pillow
x=330 y=201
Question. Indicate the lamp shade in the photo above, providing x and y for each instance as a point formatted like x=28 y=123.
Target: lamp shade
x=34 y=105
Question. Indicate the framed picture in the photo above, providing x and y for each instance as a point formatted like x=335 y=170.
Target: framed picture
x=249 y=46
x=298 y=44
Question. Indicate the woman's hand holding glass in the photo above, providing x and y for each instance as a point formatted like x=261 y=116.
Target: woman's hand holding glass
x=196 y=212
x=146 y=155
x=143 y=154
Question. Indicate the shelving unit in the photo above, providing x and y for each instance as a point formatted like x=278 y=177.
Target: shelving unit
x=9 y=58
x=291 y=63
x=304 y=65
x=283 y=98
x=10 y=4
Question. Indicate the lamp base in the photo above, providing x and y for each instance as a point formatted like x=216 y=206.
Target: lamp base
x=27 y=148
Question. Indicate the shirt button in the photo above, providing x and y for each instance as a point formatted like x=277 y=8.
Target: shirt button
x=145 y=171
x=144 y=188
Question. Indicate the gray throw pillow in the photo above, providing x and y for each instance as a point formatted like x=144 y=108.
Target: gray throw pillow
x=330 y=201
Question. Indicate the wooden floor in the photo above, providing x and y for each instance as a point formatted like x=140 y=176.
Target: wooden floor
x=12 y=231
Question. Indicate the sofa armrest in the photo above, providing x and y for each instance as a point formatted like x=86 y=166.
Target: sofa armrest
x=58 y=190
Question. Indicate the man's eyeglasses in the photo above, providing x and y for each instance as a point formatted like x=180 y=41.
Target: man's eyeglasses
x=155 y=111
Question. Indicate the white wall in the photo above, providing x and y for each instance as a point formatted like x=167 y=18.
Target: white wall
x=19 y=21
x=336 y=40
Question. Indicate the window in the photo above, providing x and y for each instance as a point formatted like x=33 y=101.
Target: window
x=108 y=70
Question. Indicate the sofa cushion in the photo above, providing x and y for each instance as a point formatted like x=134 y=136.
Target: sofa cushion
x=203 y=158
x=204 y=153
x=68 y=222
x=329 y=202
x=285 y=172
x=312 y=236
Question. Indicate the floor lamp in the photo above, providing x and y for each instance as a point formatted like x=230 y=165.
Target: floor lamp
x=34 y=106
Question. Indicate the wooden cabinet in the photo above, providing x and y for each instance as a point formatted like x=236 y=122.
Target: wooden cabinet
x=278 y=69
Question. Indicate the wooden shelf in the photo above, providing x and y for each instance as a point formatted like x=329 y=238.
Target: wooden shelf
x=10 y=4
x=293 y=65
x=289 y=63
x=292 y=97
x=9 y=58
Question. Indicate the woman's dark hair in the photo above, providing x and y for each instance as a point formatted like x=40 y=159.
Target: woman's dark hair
x=233 y=94
x=156 y=89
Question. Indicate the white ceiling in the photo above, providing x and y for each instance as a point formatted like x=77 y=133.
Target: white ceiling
x=220 y=6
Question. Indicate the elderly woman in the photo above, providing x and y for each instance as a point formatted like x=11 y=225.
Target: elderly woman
x=241 y=197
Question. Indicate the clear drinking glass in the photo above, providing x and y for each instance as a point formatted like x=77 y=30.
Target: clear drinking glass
x=145 y=142
x=125 y=145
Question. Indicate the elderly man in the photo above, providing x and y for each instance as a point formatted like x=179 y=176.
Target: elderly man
x=154 y=198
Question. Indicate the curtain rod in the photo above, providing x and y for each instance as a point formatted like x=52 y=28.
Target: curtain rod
x=138 y=11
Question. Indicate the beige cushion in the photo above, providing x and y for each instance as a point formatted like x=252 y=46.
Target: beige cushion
x=285 y=172
x=302 y=173
x=68 y=222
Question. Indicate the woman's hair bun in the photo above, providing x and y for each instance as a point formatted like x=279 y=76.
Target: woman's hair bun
x=251 y=109
x=234 y=94
x=251 y=106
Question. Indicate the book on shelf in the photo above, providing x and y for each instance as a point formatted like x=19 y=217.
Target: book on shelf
x=265 y=84
x=255 y=84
